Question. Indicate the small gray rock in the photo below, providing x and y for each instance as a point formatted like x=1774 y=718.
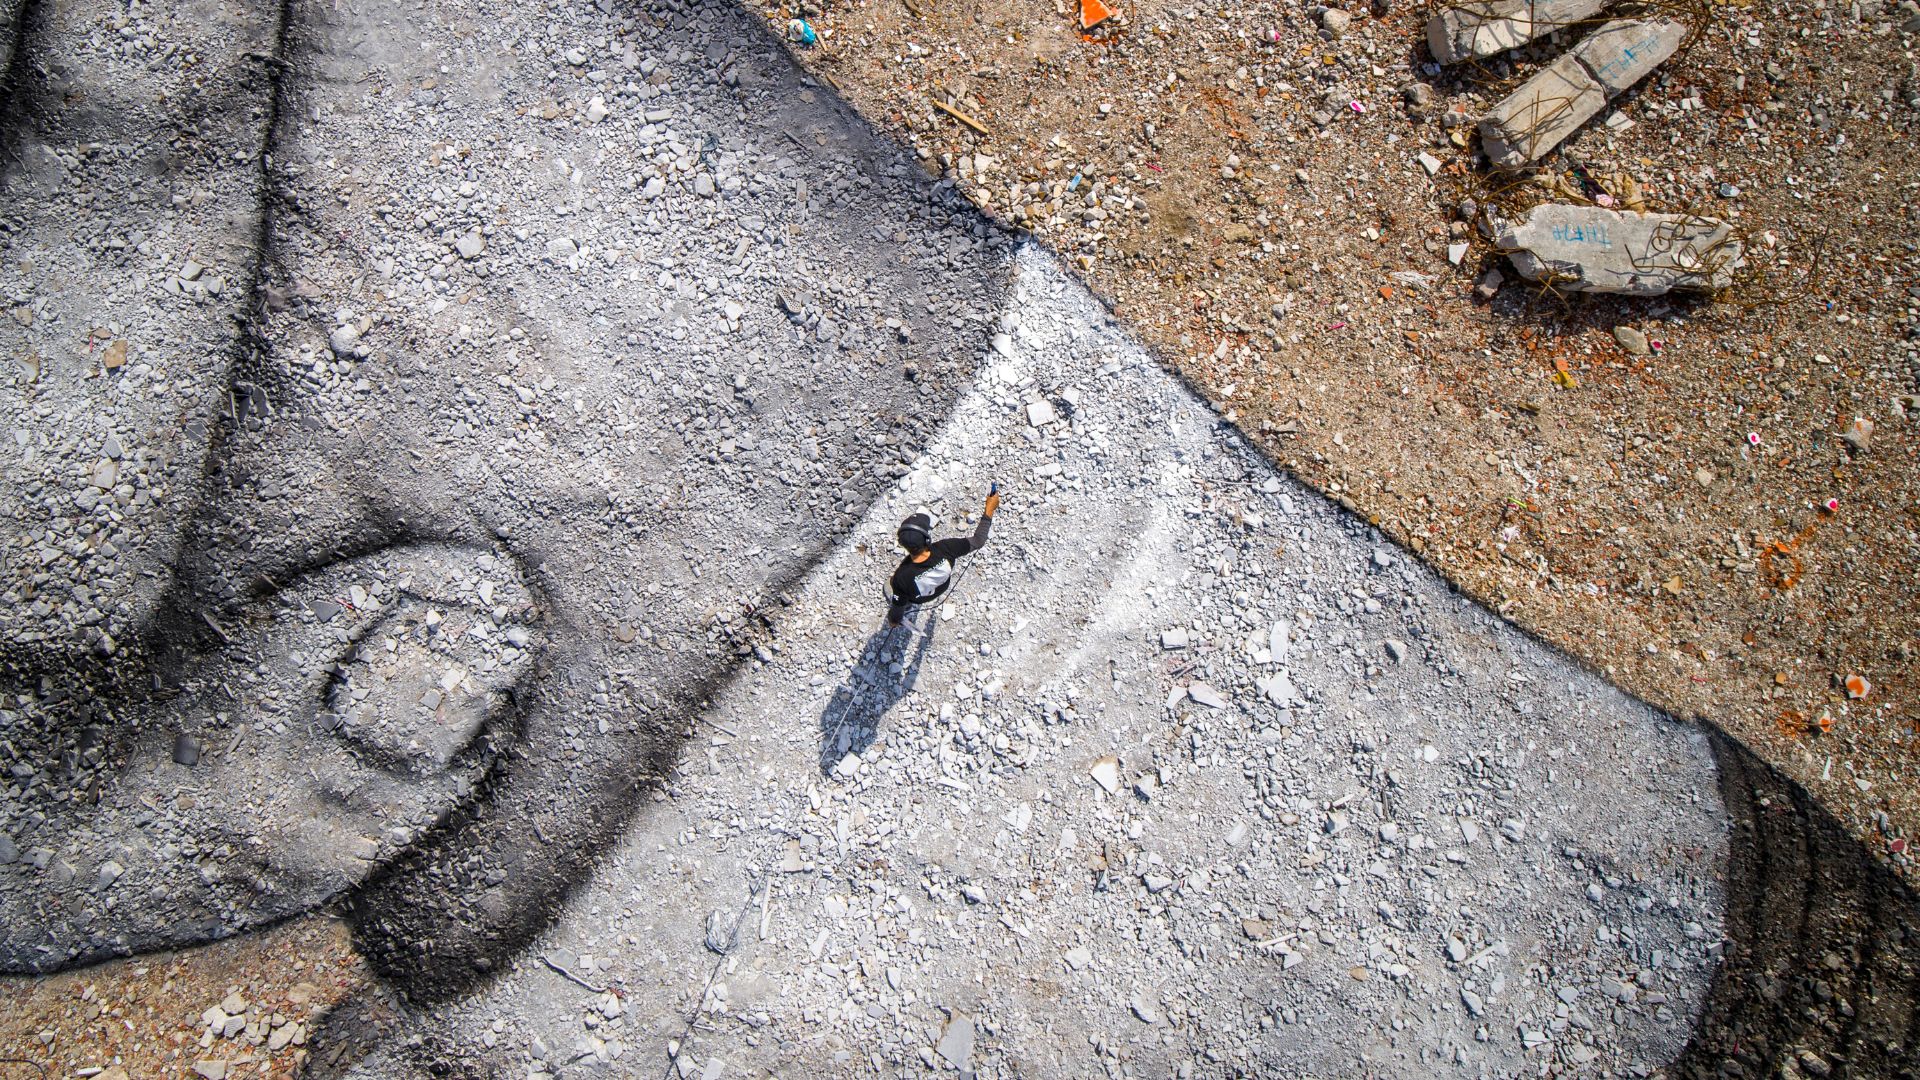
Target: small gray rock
x=722 y=931
x=956 y=1042
x=1859 y=434
x=343 y=339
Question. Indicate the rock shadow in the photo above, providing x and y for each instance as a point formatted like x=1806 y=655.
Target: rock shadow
x=883 y=676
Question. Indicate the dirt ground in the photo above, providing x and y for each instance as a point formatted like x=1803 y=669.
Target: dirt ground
x=1244 y=187
x=148 y=1016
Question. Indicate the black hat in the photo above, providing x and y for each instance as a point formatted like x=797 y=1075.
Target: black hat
x=915 y=532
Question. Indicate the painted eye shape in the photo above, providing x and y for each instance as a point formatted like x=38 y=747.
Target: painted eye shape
x=331 y=726
x=416 y=689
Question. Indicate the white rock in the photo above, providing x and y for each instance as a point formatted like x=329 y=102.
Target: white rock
x=1206 y=695
x=1278 y=688
x=1106 y=773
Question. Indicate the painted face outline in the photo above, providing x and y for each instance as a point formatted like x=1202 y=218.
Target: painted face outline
x=218 y=589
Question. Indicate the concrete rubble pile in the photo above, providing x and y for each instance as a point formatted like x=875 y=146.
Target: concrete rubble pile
x=1577 y=248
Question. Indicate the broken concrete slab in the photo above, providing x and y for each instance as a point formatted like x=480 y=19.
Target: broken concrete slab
x=1591 y=249
x=1541 y=114
x=1622 y=53
x=1473 y=31
x=1554 y=103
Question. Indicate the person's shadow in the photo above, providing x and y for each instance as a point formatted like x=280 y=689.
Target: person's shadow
x=852 y=717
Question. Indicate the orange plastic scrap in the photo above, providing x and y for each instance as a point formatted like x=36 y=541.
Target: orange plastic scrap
x=1093 y=13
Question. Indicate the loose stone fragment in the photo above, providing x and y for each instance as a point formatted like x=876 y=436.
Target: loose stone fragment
x=956 y=1042
x=1859 y=434
x=1206 y=695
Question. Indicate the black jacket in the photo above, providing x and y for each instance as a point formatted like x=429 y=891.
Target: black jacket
x=924 y=582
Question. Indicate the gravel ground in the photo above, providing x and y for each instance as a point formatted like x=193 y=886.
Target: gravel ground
x=1246 y=183
x=1409 y=841
x=455 y=470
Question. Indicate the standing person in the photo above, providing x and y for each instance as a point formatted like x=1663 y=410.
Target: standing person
x=926 y=573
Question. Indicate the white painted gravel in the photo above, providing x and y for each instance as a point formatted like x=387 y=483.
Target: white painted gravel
x=1475 y=859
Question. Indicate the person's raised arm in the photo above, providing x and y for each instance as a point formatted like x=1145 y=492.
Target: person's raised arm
x=979 y=539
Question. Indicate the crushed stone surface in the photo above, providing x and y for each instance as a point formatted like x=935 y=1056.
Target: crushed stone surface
x=454 y=472
x=1381 y=846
